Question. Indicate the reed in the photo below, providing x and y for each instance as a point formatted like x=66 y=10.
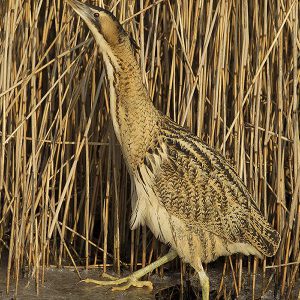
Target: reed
x=228 y=70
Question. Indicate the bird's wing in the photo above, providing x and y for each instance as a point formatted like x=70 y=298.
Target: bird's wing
x=196 y=184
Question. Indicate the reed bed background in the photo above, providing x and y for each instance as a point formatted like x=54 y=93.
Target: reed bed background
x=228 y=70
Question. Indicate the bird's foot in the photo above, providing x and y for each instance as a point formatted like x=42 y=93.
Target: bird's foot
x=133 y=279
x=129 y=280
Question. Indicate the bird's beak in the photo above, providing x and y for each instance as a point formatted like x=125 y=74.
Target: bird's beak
x=81 y=9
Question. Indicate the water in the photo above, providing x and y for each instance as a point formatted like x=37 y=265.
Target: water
x=64 y=284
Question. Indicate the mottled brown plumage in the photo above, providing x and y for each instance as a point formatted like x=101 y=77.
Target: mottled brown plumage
x=191 y=198
x=183 y=190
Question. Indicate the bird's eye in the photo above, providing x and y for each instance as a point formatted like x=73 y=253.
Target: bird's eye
x=96 y=15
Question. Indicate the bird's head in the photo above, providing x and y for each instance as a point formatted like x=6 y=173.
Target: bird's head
x=108 y=32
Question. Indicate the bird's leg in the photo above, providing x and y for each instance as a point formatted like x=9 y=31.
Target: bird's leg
x=132 y=280
x=204 y=282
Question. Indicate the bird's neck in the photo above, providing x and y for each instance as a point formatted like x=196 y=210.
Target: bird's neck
x=134 y=116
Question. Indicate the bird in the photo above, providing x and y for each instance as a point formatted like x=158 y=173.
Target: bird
x=185 y=191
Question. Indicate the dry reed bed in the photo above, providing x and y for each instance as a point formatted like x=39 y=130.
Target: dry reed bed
x=225 y=69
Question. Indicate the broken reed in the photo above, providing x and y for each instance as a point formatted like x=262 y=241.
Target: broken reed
x=225 y=69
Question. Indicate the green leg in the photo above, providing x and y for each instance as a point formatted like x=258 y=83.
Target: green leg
x=132 y=280
x=204 y=281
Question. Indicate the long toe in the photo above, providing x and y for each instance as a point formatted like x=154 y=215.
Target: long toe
x=106 y=282
x=107 y=276
x=134 y=283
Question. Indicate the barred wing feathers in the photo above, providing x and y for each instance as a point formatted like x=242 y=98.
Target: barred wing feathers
x=197 y=185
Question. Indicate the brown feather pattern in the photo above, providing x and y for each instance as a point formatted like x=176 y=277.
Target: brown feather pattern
x=197 y=185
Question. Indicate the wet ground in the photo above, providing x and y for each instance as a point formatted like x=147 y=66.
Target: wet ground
x=64 y=284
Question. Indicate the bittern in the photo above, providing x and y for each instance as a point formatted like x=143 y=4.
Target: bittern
x=184 y=191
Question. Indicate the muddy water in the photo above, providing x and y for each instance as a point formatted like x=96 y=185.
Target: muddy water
x=64 y=284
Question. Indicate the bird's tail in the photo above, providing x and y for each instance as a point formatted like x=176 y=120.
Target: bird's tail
x=261 y=235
